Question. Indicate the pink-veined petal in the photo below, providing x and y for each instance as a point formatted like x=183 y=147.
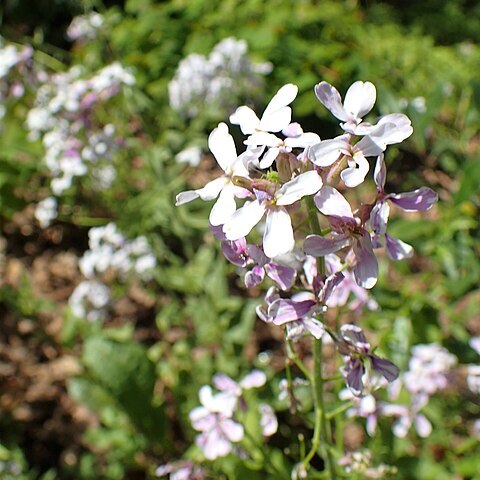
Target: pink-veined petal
x=243 y=220
x=319 y=246
x=221 y=144
x=331 y=202
x=307 y=183
x=359 y=99
x=397 y=249
x=366 y=268
x=278 y=236
x=418 y=200
x=330 y=98
x=315 y=327
x=380 y=173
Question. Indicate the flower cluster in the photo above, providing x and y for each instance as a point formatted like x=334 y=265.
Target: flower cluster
x=15 y=71
x=84 y=27
x=317 y=257
x=109 y=250
x=63 y=118
x=428 y=373
x=215 y=417
x=216 y=81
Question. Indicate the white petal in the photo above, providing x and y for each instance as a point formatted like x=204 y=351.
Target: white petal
x=185 y=197
x=355 y=175
x=360 y=98
x=246 y=118
x=325 y=153
x=278 y=237
x=285 y=96
x=269 y=158
x=263 y=138
x=212 y=189
x=302 y=141
x=222 y=146
x=276 y=121
x=307 y=183
x=224 y=207
x=243 y=220
x=331 y=202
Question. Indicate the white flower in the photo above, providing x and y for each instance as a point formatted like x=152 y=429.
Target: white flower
x=222 y=146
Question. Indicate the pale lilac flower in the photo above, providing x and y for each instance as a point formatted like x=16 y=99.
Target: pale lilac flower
x=255 y=261
x=353 y=345
x=254 y=379
x=297 y=314
x=429 y=367
x=222 y=146
x=418 y=200
x=359 y=100
x=346 y=231
x=348 y=288
x=213 y=420
x=278 y=237
x=182 y=470
x=268 y=420
x=408 y=416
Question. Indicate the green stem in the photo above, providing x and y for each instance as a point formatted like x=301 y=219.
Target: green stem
x=320 y=432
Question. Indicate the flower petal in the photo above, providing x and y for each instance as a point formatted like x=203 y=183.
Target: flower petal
x=355 y=174
x=307 y=183
x=243 y=220
x=359 y=99
x=396 y=249
x=331 y=100
x=221 y=144
x=185 y=197
x=246 y=118
x=278 y=236
x=224 y=207
x=319 y=246
x=366 y=268
x=326 y=152
x=417 y=200
x=380 y=173
x=331 y=202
